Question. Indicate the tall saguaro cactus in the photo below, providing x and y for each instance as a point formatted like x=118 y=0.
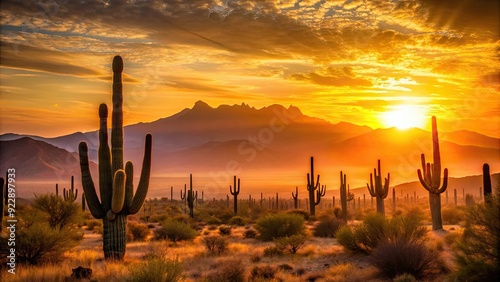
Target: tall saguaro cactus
x=430 y=178
x=235 y=193
x=70 y=195
x=344 y=195
x=377 y=190
x=486 y=182
x=117 y=198
x=296 y=198
x=191 y=197
x=316 y=191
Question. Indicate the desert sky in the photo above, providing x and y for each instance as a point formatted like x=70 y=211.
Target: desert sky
x=376 y=63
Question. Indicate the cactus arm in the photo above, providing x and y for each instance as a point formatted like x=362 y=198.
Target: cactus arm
x=117 y=116
x=445 y=182
x=129 y=186
x=142 y=188
x=118 y=198
x=385 y=191
x=370 y=187
x=105 y=172
x=422 y=181
x=87 y=183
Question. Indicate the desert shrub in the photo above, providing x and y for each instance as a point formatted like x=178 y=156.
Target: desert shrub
x=303 y=213
x=400 y=257
x=237 y=220
x=404 y=278
x=156 y=269
x=452 y=215
x=175 y=231
x=364 y=237
x=129 y=235
x=337 y=212
x=59 y=213
x=291 y=243
x=477 y=251
x=273 y=252
x=139 y=231
x=37 y=242
x=215 y=245
x=225 y=230
x=285 y=267
x=214 y=220
x=250 y=233
x=231 y=271
x=255 y=258
x=92 y=223
x=275 y=226
x=263 y=272
x=327 y=227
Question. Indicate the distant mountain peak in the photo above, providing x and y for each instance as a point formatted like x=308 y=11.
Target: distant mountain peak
x=200 y=105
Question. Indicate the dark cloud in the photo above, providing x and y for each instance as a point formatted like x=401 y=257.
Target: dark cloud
x=38 y=59
x=464 y=15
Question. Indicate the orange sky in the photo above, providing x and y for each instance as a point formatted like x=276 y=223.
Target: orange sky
x=365 y=62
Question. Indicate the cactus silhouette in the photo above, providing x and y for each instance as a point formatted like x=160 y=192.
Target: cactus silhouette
x=184 y=198
x=430 y=178
x=117 y=198
x=235 y=193
x=486 y=182
x=191 y=197
x=57 y=189
x=316 y=191
x=70 y=195
x=344 y=195
x=296 y=198
x=377 y=190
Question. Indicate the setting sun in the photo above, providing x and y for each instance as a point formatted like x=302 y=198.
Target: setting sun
x=404 y=116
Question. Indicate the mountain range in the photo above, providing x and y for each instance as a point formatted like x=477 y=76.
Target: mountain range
x=269 y=147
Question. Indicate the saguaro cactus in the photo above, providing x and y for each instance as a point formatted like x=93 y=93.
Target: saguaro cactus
x=57 y=189
x=430 y=178
x=191 y=197
x=344 y=192
x=117 y=198
x=184 y=198
x=70 y=195
x=235 y=193
x=296 y=198
x=377 y=190
x=316 y=191
x=486 y=182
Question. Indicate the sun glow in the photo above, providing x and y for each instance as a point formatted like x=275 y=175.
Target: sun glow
x=404 y=116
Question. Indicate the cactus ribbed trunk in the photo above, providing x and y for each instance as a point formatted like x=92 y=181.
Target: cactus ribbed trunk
x=114 y=238
x=435 y=201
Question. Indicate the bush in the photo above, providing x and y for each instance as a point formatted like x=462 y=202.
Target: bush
x=214 y=220
x=327 y=227
x=452 y=215
x=276 y=226
x=250 y=233
x=92 y=223
x=59 y=212
x=215 y=245
x=263 y=272
x=156 y=269
x=303 y=213
x=477 y=253
x=292 y=243
x=237 y=220
x=364 y=237
x=139 y=231
x=273 y=252
x=225 y=230
x=231 y=271
x=37 y=242
x=405 y=257
x=175 y=231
